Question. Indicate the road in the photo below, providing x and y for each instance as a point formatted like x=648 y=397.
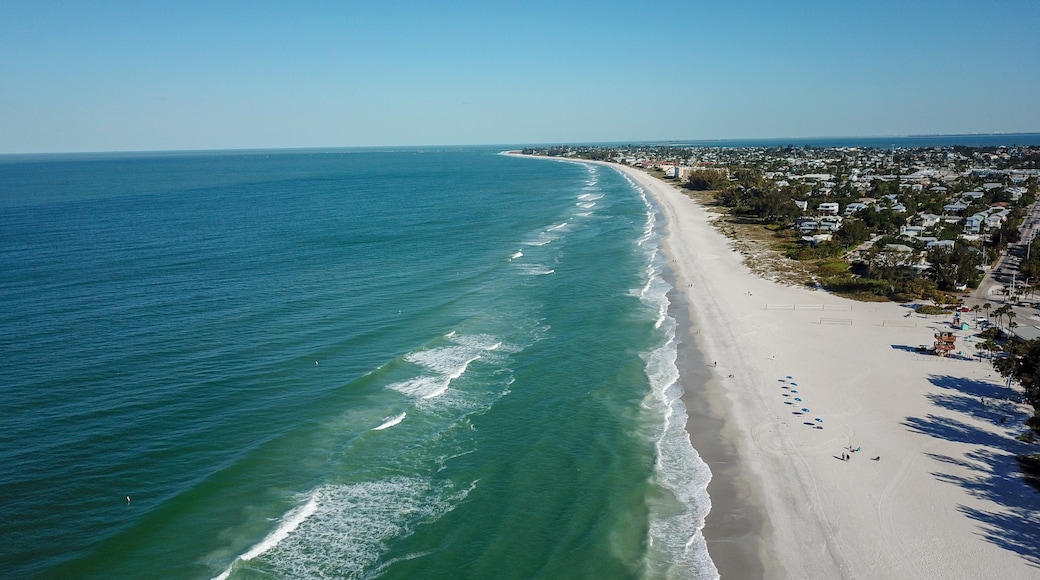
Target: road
x=1005 y=273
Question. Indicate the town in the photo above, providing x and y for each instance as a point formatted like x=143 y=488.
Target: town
x=901 y=224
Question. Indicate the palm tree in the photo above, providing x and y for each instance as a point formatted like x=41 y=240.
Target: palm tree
x=986 y=307
x=976 y=310
x=1001 y=312
x=989 y=346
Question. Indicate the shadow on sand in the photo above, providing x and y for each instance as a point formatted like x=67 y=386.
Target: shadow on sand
x=993 y=473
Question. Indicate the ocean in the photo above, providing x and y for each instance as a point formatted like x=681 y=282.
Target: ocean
x=398 y=363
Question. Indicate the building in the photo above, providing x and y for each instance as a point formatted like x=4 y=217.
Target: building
x=829 y=208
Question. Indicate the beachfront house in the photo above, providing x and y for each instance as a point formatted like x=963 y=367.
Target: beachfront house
x=806 y=225
x=831 y=223
x=906 y=260
x=829 y=208
x=854 y=207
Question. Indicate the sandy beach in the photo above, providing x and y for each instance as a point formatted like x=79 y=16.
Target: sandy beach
x=800 y=379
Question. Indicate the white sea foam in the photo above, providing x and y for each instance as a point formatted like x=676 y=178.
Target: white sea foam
x=556 y=227
x=677 y=548
x=289 y=523
x=517 y=254
x=390 y=422
x=590 y=196
x=537 y=270
x=347 y=527
x=586 y=204
x=442 y=365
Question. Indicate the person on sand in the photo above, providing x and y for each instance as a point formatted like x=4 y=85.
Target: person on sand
x=877 y=458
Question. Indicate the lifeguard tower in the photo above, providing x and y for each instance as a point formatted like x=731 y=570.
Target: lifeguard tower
x=945 y=342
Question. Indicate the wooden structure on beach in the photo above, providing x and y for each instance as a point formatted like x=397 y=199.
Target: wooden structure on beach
x=945 y=342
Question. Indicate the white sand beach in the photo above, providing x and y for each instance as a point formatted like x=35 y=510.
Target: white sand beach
x=942 y=499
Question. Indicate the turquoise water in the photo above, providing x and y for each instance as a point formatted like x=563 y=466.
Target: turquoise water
x=338 y=364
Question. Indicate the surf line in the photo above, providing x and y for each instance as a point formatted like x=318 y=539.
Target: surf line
x=292 y=521
x=389 y=422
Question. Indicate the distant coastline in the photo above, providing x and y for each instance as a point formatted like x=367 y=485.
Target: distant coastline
x=880 y=142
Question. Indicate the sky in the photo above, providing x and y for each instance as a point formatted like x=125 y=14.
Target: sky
x=86 y=75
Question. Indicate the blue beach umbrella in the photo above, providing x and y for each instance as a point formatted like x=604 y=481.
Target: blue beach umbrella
x=798 y=399
x=819 y=420
x=804 y=410
x=790 y=377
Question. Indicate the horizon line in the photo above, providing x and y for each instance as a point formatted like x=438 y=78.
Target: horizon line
x=538 y=144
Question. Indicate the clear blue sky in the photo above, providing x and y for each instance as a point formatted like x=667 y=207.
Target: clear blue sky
x=113 y=76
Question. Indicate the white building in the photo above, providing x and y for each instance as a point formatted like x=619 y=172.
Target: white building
x=829 y=208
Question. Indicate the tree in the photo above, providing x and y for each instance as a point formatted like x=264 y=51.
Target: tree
x=1023 y=365
x=976 y=310
x=1000 y=313
x=954 y=266
x=989 y=346
x=852 y=232
x=707 y=180
x=772 y=206
x=944 y=267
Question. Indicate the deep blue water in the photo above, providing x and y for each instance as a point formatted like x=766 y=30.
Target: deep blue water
x=340 y=364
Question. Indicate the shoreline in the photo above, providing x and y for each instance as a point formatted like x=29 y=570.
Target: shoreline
x=946 y=501
x=735 y=527
x=838 y=451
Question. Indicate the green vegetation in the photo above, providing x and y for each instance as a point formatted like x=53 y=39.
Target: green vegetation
x=908 y=200
x=707 y=180
x=1022 y=364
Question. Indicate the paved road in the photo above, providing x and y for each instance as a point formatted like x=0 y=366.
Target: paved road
x=1004 y=274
